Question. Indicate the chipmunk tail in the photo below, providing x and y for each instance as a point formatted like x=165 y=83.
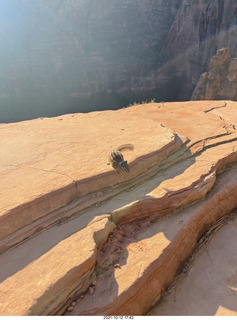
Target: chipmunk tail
x=128 y=146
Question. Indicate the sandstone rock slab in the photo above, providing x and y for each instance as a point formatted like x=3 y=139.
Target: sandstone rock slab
x=152 y=253
x=134 y=231
x=54 y=161
x=209 y=287
x=43 y=286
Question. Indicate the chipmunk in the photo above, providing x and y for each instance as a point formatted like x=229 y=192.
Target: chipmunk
x=116 y=158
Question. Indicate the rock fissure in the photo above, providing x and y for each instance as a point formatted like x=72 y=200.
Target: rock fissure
x=183 y=236
x=108 y=242
x=208 y=110
x=55 y=171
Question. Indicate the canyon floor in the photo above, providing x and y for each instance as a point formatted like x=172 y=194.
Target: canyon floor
x=78 y=238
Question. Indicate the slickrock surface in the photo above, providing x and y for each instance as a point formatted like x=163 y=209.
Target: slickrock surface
x=77 y=238
x=209 y=283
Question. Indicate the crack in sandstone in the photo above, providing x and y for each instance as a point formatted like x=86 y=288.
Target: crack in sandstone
x=158 y=168
x=143 y=208
x=76 y=205
x=77 y=210
x=182 y=157
x=55 y=171
x=162 y=262
x=212 y=138
x=208 y=110
x=201 y=245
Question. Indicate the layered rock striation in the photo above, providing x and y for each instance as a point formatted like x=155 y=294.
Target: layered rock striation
x=204 y=271
x=77 y=238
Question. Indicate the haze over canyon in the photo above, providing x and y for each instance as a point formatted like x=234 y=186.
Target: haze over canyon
x=66 y=56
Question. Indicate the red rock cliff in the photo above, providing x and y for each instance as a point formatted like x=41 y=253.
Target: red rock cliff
x=220 y=82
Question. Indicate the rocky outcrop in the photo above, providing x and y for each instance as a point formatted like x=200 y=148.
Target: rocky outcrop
x=85 y=56
x=220 y=82
x=78 y=238
x=199 y=29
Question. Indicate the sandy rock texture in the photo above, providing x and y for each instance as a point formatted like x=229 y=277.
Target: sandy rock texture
x=213 y=282
x=77 y=238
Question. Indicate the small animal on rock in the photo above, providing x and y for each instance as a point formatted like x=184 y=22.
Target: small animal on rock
x=116 y=158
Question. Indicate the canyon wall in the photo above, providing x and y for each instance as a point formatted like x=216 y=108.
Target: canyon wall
x=220 y=82
x=65 y=56
x=199 y=29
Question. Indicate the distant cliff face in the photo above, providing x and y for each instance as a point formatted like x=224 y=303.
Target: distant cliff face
x=199 y=29
x=78 y=55
x=220 y=82
x=60 y=56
